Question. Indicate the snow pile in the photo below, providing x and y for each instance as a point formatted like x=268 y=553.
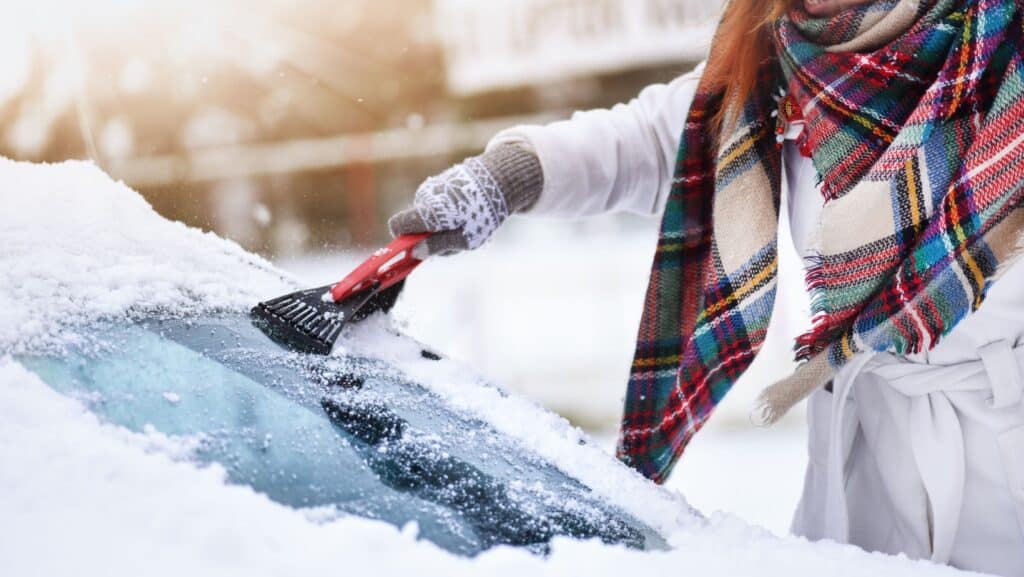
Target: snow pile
x=76 y=246
x=79 y=496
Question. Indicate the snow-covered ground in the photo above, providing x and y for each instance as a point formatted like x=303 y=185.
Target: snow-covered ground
x=81 y=497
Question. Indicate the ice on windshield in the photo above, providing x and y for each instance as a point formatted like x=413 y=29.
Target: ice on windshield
x=344 y=433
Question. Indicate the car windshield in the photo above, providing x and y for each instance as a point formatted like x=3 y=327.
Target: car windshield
x=347 y=434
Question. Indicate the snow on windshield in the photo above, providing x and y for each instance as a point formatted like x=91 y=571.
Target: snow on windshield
x=81 y=496
x=77 y=246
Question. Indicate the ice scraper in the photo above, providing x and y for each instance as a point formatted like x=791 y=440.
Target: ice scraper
x=311 y=320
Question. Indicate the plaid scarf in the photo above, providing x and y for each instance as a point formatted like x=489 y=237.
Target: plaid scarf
x=914 y=113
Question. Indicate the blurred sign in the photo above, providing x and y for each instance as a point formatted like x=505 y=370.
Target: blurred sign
x=503 y=43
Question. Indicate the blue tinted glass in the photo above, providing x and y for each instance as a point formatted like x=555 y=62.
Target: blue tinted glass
x=349 y=433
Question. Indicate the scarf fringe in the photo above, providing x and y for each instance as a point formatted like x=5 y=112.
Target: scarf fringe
x=775 y=401
x=815 y=283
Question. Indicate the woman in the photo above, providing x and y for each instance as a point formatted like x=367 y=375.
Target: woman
x=898 y=128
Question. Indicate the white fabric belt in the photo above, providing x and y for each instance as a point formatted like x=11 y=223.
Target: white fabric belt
x=936 y=437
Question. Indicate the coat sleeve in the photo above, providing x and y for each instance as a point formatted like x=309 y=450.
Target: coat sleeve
x=613 y=160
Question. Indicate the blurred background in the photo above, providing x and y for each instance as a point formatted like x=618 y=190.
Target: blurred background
x=296 y=127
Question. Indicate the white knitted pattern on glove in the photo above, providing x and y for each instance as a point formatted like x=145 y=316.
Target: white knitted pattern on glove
x=465 y=197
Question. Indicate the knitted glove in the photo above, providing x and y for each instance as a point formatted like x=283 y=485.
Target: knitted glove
x=465 y=204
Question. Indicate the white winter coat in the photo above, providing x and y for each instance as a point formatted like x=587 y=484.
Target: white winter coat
x=923 y=455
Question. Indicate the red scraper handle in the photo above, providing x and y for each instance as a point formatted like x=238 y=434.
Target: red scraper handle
x=385 y=268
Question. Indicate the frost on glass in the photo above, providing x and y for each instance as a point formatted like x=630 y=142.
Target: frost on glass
x=348 y=434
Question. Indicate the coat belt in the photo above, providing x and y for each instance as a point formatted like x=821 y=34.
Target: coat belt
x=936 y=437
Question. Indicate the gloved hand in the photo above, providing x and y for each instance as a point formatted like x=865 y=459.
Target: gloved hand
x=465 y=204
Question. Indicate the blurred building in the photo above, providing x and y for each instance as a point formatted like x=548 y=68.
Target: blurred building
x=300 y=125
x=503 y=44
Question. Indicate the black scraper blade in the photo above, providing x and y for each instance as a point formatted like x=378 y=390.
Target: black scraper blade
x=305 y=322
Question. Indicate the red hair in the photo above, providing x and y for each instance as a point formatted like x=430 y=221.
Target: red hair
x=742 y=42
